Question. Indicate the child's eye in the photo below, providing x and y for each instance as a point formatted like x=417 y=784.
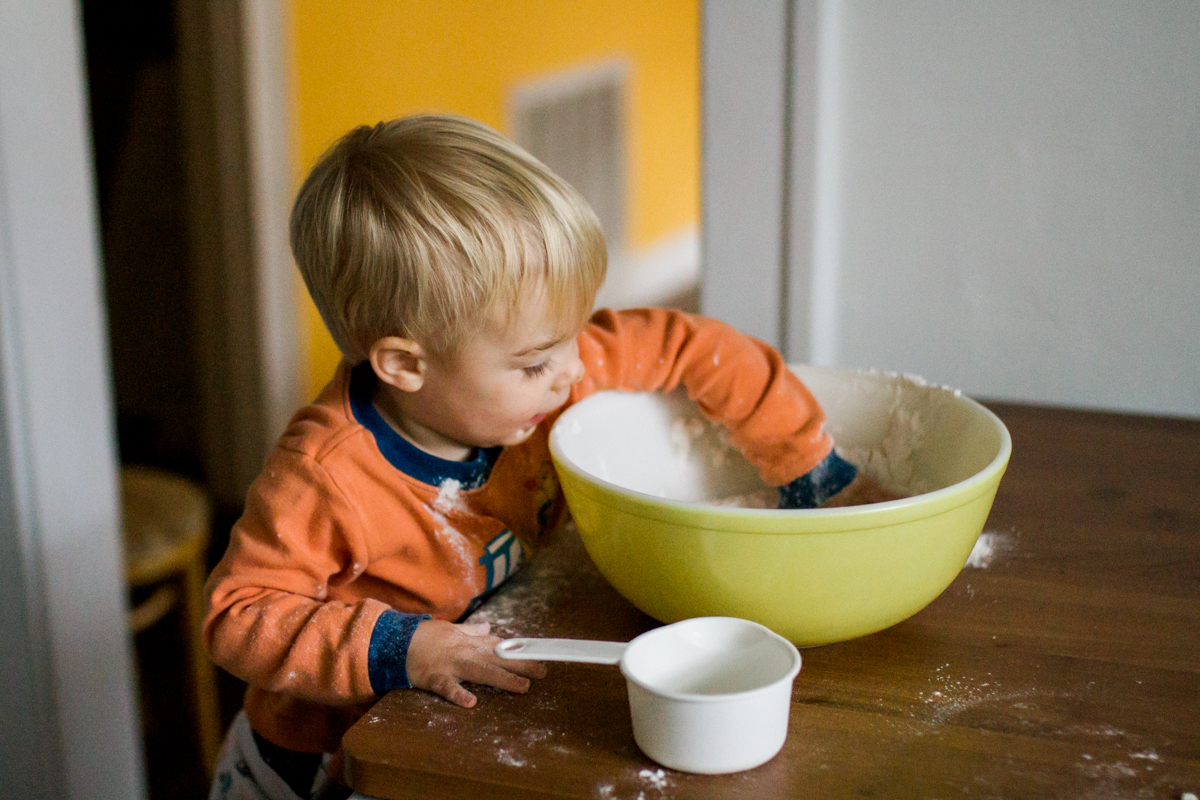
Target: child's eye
x=536 y=369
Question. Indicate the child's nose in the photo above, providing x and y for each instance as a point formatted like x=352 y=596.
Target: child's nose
x=571 y=374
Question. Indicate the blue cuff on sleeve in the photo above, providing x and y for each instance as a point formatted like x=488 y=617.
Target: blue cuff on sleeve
x=819 y=484
x=387 y=655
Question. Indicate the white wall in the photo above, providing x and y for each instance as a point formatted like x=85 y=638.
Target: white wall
x=1003 y=197
x=743 y=118
x=68 y=716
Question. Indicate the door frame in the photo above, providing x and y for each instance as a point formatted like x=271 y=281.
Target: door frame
x=237 y=123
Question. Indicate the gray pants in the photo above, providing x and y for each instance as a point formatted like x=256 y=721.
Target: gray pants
x=241 y=773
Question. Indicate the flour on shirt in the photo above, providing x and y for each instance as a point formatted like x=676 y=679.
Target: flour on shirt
x=449 y=499
x=448 y=503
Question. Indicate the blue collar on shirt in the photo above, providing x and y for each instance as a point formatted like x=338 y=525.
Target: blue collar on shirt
x=403 y=454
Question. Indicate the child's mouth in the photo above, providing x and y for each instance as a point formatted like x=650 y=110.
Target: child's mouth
x=527 y=431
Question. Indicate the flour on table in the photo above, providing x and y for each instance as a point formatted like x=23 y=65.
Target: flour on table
x=1114 y=771
x=648 y=784
x=524 y=603
x=506 y=757
x=988 y=547
x=656 y=778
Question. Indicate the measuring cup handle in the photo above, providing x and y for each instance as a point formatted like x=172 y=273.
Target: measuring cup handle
x=584 y=651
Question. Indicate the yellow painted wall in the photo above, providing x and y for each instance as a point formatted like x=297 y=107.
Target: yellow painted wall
x=360 y=62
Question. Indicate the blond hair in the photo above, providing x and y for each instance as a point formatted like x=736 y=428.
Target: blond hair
x=428 y=227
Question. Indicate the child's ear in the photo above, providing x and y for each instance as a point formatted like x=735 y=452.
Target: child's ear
x=398 y=362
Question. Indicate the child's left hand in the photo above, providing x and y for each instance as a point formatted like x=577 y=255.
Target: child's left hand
x=860 y=492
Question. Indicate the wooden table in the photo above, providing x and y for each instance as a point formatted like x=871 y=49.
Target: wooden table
x=1067 y=666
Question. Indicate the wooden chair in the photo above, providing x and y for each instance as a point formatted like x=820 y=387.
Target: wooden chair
x=168 y=521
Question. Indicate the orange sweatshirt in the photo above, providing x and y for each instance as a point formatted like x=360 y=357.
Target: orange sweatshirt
x=349 y=524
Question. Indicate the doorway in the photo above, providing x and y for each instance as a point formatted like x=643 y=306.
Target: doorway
x=172 y=244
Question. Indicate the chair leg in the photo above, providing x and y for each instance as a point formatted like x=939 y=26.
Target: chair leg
x=208 y=707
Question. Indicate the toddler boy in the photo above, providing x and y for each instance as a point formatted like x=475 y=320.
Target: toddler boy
x=456 y=275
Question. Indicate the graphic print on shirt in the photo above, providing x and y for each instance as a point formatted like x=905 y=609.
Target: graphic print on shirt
x=502 y=557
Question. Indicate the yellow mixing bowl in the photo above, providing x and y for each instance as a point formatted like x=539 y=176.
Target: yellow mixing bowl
x=641 y=473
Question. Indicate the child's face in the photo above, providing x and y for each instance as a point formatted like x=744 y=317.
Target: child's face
x=501 y=383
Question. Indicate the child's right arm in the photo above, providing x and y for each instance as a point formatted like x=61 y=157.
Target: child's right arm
x=284 y=613
x=734 y=379
x=737 y=380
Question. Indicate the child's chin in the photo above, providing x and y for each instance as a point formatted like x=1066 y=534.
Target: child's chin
x=519 y=437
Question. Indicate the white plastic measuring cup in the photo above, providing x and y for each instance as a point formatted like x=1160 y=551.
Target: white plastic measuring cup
x=709 y=695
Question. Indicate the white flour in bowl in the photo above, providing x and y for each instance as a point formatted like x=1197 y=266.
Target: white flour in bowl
x=891 y=461
x=761 y=498
x=707 y=440
x=912 y=412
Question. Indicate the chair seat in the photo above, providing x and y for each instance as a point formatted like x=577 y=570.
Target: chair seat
x=168 y=520
x=167 y=523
